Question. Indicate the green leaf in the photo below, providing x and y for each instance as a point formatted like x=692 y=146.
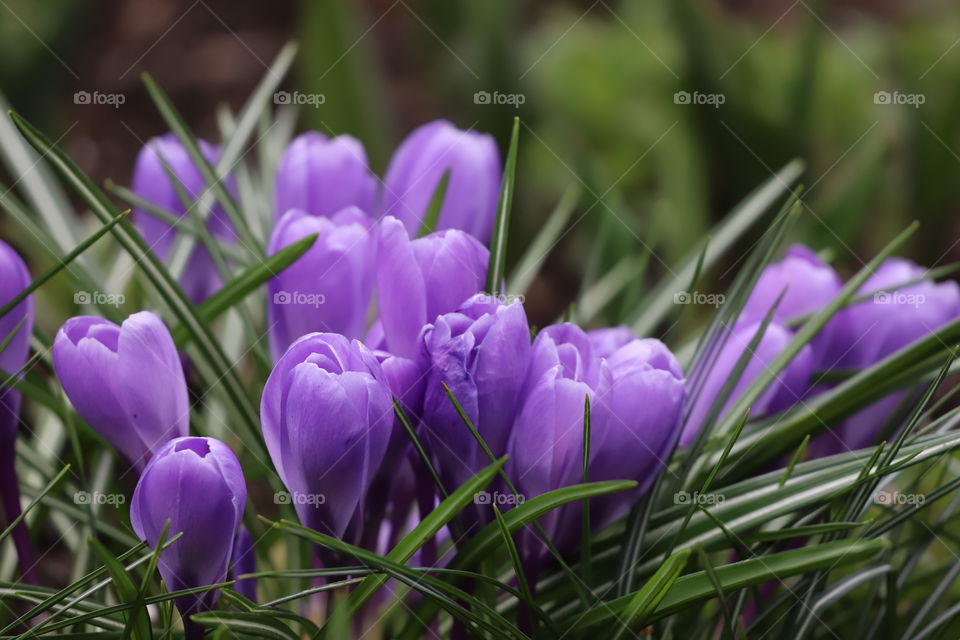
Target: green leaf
x=238 y=288
x=646 y=600
x=696 y=587
x=496 y=271
x=138 y=620
x=261 y=625
x=432 y=214
x=545 y=240
x=426 y=529
x=63 y=262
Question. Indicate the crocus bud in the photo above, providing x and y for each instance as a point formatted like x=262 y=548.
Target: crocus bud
x=473 y=189
x=417 y=280
x=636 y=394
x=806 y=281
x=607 y=340
x=635 y=421
x=127 y=382
x=787 y=389
x=14 y=278
x=159 y=158
x=327 y=416
x=869 y=331
x=197 y=485
x=328 y=288
x=481 y=352
x=807 y=284
x=322 y=175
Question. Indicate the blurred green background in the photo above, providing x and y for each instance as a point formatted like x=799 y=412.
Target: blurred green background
x=598 y=81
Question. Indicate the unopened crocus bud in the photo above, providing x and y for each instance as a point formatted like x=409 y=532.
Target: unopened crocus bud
x=126 y=381
x=419 y=164
x=635 y=421
x=417 y=280
x=197 y=485
x=15 y=330
x=327 y=417
x=328 y=289
x=480 y=352
x=865 y=333
x=807 y=284
x=322 y=175
x=159 y=158
x=787 y=389
x=636 y=393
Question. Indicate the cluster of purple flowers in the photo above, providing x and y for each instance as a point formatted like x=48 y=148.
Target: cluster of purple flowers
x=327 y=409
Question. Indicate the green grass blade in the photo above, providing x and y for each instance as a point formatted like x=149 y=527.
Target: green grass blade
x=646 y=600
x=432 y=213
x=238 y=288
x=498 y=244
x=66 y=260
x=545 y=240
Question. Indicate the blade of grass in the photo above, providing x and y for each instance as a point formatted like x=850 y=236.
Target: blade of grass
x=498 y=245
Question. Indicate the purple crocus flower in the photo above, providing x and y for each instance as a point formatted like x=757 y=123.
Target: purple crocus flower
x=15 y=329
x=417 y=280
x=327 y=417
x=322 y=175
x=473 y=188
x=481 y=352
x=636 y=391
x=127 y=382
x=329 y=288
x=151 y=182
x=789 y=387
x=869 y=331
x=197 y=484
x=807 y=284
